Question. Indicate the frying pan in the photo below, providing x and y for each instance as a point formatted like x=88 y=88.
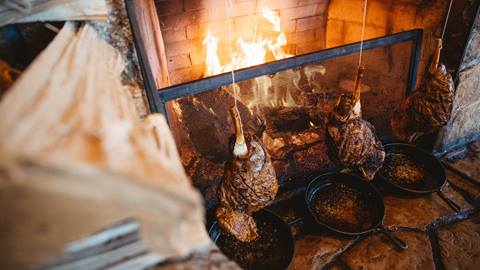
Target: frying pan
x=432 y=182
x=274 y=249
x=346 y=204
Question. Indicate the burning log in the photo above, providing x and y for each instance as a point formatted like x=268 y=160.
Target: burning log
x=353 y=139
x=208 y=129
x=248 y=186
x=428 y=109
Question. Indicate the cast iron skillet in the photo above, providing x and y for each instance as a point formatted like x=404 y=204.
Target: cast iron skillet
x=348 y=205
x=274 y=249
x=432 y=183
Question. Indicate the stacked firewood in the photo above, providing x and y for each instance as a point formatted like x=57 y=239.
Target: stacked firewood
x=76 y=158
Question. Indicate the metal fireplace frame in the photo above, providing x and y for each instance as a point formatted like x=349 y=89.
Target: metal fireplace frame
x=158 y=98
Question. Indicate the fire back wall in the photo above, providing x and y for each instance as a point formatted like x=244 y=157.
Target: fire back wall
x=309 y=25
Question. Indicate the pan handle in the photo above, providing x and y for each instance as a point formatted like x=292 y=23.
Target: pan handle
x=397 y=242
x=450 y=203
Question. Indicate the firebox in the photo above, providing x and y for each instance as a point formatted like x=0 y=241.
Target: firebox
x=285 y=102
x=294 y=74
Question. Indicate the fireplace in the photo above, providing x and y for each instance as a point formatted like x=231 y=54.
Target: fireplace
x=285 y=102
x=285 y=97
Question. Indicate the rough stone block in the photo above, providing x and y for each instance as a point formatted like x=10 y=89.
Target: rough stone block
x=196 y=4
x=193 y=31
x=315 y=251
x=180 y=75
x=310 y=23
x=288 y=26
x=403 y=17
x=197 y=57
x=245 y=22
x=377 y=13
x=169 y=7
x=170 y=36
x=376 y=252
x=217 y=28
x=219 y=11
x=374 y=32
x=318 y=2
x=182 y=47
x=472 y=51
x=347 y=10
x=320 y=35
x=413 y=212
x=304 y=36
x=310 y=46
x=464 y=126
x=459 y=244
x=334 y=33
x=178 y=62
x=275 y=4
x=301 y=12
x=178 y=21
x=246 y=34
x=353 y=32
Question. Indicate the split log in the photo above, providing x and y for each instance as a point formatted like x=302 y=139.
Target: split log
x=23 y=11
x=76 y=158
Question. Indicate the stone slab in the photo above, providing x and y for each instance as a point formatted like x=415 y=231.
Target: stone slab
x=459 y=244
x=375 y=252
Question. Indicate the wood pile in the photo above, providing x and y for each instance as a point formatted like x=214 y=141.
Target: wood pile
x=76 y=158
x=22 y=11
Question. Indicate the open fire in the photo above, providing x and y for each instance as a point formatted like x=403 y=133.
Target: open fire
x=248 y=53
x=266 y=45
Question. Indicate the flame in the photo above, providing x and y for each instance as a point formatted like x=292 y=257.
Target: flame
x=272 y=18
x=212 y=60
x=250 y=53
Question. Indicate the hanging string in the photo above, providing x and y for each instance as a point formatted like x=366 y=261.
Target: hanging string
x=228 y=5
x=446 y=19
x=363 y=32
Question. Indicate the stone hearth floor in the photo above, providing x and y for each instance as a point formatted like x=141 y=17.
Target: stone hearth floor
x=438 y=238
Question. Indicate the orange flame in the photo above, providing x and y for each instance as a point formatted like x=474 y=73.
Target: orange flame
x=266 y=92
x=212 y=60
x=249 y=53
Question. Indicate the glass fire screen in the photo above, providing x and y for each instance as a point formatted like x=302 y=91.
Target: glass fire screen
x=285 y=103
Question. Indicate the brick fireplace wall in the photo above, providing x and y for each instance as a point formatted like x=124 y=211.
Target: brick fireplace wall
x=385 y=17
x=184 y=24
x=309 y=25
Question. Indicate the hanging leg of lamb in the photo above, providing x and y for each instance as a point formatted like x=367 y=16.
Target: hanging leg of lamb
x=351 y=138
x=428 y=108
x=249 y=184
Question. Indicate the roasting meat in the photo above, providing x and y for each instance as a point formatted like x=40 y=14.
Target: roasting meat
x=249 y=185
x=351 y=139
x=428 y=108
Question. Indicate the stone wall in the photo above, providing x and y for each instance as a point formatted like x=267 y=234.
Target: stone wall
x=185 y=23
x=464 y=125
